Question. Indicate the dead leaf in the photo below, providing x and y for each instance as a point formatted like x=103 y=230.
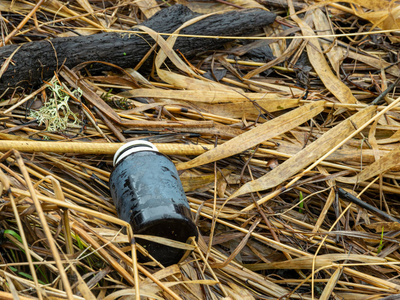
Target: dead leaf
x=257 y=135
x=386 y=162
x=333 y=52
x=320 y=65
x=308 y=155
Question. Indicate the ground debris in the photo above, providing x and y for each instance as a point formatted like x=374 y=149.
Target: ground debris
x=286 y=141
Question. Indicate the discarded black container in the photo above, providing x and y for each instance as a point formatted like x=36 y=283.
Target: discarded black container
x=148 y=194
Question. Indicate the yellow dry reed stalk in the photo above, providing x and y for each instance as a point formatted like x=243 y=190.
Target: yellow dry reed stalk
x=84 y=195
x=103 y=253
x=58 y=193
x=143 y=270
x=9 y=296
x=39 y=210
x=282 y=247
x=74 y=207
x=207 y=265
x=5 y=184
x=97 y=148
x=74 y=169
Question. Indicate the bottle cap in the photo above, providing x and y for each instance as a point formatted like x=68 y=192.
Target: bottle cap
x=132 y=147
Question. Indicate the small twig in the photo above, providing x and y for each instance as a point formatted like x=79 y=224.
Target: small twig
x=365 y=205
x=385 y=92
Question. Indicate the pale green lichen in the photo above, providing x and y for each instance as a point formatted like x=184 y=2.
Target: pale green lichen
x=55 y=112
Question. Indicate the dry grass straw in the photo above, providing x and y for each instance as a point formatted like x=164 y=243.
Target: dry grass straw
x=261 y=156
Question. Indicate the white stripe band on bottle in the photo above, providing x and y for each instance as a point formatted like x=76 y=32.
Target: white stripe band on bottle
x=132 y=147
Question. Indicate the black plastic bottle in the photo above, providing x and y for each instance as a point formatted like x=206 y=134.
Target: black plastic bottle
x=148 y=193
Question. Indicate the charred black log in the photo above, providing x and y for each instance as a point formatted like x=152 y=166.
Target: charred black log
x=36 y=61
